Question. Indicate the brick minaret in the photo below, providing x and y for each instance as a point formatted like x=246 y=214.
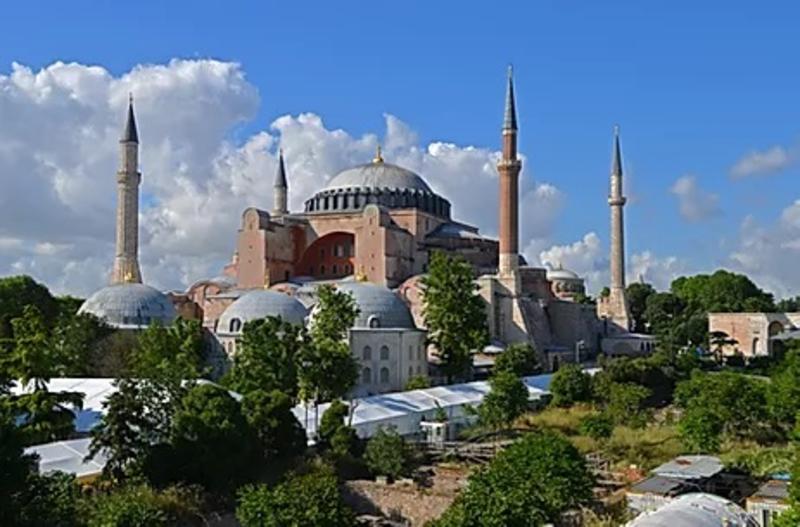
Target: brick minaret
x=280 y=189
x=508 y=168
x=126 y=260
x=615 y=307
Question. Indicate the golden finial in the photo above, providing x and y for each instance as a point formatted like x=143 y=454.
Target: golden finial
x=128 y=278
x=361 y=276
x=378 y=158
x=266 y=279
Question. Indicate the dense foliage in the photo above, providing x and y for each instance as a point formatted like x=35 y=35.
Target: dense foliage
x=306 y=500
x=519 y=358
x=454 y=313
x=570 y=385
x=387 y=454
x=507 y=399
x=528 y=484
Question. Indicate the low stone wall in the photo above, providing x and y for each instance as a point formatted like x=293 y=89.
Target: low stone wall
x=407 y=502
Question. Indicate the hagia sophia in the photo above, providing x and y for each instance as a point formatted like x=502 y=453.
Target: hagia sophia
x=371 y=231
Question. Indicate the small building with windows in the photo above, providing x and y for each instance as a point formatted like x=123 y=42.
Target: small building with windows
x=386 y=343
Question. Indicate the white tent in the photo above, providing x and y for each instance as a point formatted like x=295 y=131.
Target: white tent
x=69 y=457
x=696 y=510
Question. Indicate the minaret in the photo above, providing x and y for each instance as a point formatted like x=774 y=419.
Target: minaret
x=126 y=260
x=508 y=168
x=281 y=189
x=617 y=309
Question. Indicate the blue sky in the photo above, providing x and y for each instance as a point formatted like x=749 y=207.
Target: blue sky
x=694 y=85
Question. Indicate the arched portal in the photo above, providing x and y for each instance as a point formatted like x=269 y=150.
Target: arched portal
x=331 y=256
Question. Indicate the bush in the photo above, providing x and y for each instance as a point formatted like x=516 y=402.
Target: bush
x=597 y=426
x=387 y=454
x=530 y=483
x=570 y=385
x=308 y=500
x=141 y=506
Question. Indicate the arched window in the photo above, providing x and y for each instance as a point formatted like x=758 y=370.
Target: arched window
x=367 y=353
x=410 y=371
x=384 y=375
x=411 y=353
x=384 y=353
x=366 y=376
x=235 y=325
x=373 y=321
x=421 y=352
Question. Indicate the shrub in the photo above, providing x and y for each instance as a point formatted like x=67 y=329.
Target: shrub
x=387 y=454
x=597 y=426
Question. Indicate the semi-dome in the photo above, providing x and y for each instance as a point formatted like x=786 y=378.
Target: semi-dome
x=378 y=183
x=379 y=307
x=130 y=306
x=258 y=304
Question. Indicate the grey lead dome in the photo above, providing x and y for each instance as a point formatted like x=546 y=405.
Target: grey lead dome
x=130 y=306
x=257 y=304
x=378 y=176
x=379 y=306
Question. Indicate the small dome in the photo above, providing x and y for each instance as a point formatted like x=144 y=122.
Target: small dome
x=260 y=303
x=378 y=176
x=562 y=274
x=130 y=306
x=379 y=306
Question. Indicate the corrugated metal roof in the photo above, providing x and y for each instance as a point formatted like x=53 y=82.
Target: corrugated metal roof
x=696 y=510
x=690 y=467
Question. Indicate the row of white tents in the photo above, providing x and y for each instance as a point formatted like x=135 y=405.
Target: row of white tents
x=403 y=411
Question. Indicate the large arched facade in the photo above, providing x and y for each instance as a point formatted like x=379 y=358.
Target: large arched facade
x=331 y=256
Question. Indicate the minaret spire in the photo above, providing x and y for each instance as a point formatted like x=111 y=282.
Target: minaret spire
x=280 y=189
x=615 y=307
x=126 y=259
x=508 y=168
x=510 y=120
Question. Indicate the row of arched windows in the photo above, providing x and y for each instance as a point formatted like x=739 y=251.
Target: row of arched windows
x=357 y=199
x=383 y=375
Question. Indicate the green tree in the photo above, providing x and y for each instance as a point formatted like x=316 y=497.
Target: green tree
x=270 y=415
x=307 y=500
x=637 y=295
x=17 y=292
x=45 y=416
x=718 y=341
x=387 y=454
x=570 y=385
x=15 y=469
x=267 y=357
x=326 y=368
x=74 y=340
x=530 y=483
x=788 y=305
x=333 y=419
x=723 y=404
x=783 y=392
x=212 y=443
x=723 y=292
x=174 y=351
x=626 y=404
x=597 y=426
x=454 y=314
x=519 y=358
x=507 y=399
x=51 y=500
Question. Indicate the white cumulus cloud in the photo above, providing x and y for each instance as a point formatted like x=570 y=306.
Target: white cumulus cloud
x=769 y=161
x=694 y=203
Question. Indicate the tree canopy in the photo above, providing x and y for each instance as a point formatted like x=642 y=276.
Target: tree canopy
x=454 y=313
x=570 y=385
x=530 y=483
x=518 y=358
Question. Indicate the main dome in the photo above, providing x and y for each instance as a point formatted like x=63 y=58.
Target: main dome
x=130 y=306
x=378 y=176
x=378 y=183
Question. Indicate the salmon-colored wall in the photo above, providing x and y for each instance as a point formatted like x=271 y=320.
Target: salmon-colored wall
x=332 y=256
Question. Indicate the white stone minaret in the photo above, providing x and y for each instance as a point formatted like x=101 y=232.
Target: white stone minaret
x=280 y=190
x=126 y=259
x=615 y=306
